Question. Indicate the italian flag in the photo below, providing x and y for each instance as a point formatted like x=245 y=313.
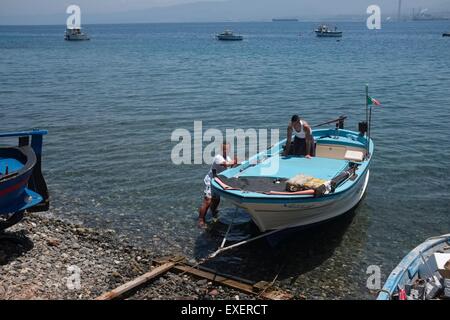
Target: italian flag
x=374 y=101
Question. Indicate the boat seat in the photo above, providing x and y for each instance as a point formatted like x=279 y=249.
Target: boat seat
x=354 y=155
x=329 y=151
x=340 y=152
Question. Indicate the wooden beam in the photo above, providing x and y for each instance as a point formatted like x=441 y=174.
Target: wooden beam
x=215 y=278
x=270 y=294
x=136 y=282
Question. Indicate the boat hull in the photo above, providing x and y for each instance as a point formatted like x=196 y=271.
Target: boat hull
x=13 y=193
x=329 y=34
x=230 y=38
x=281 y=214
x=76 y=38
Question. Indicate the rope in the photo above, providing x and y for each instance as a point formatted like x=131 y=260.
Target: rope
x=229 y=229
x=222 y=248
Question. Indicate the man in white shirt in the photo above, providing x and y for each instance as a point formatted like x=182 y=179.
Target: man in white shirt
x=220 y=163
x=303 y=144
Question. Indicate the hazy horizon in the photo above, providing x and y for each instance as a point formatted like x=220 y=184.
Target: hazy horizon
x=50 y=12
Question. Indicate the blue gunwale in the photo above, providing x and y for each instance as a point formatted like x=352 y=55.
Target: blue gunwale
x=23 y=133
x=322 y=136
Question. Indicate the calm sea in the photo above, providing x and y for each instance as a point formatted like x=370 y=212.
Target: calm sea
x=111 y=104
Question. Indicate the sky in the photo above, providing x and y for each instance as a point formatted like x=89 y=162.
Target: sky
x=123 y=11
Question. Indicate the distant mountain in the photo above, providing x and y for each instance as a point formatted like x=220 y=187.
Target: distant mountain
x=232 y=10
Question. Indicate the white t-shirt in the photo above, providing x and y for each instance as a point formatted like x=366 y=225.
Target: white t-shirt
x=300 y=134
x=217 y=165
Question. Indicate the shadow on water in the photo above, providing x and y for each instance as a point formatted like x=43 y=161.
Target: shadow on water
x=286 y=255
x=13 y=245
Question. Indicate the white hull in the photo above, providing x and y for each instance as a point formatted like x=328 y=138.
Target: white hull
x=270 y=216
x=76 y=37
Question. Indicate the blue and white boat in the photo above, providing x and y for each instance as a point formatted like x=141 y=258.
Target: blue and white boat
x=424 y=273
x=342 y=160
x=22 y=185
x=324 y=31
x=340 y=169
x=228 y=35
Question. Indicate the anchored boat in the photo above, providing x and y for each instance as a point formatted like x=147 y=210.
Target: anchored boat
x=325 y=31
x=335 y=180
x=22 y=185
x=75 y=34
x=446 y=34
x=228 y=35
x=423 y=274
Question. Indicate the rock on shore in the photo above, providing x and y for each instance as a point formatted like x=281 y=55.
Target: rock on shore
x=58 y=260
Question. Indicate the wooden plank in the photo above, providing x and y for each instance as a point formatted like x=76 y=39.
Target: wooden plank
x=136 y=282
x=270 y=294
x=258 y=288
x=216 y=278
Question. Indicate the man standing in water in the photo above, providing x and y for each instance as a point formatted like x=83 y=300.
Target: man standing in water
x=220 y=163
x=303 y=141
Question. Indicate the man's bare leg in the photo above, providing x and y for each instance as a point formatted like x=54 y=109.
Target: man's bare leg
x=214 y=205
x=202 y=212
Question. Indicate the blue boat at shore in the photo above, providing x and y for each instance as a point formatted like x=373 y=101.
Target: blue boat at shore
x=22 y=185
x=341 y=162
x=423 y=274
x=334 y=181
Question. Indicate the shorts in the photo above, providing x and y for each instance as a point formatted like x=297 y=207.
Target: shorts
x=207 y=190
x=298 y=148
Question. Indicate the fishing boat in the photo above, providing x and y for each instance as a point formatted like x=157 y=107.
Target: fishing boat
x=325 y=31
x=339 y=170
x=228 y=35
x=446 y=34
x=22 y=185
x=423 y=274
x=75 y=34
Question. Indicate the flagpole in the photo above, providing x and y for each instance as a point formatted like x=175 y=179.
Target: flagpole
x=370 y=127
x=367 y=117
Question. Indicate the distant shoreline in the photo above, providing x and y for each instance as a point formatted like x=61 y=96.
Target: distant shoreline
x=362 y=20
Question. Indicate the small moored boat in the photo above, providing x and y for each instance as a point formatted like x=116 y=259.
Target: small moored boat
x=325 y=31
x=423 y=274
x=75 y=34
x=228 y=35
x=446 y=34
x=22 y=185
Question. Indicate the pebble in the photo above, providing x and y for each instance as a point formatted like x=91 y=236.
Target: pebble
x=101 y=258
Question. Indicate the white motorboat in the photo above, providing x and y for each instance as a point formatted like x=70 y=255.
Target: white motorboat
x=75 y=34
x=228 y=35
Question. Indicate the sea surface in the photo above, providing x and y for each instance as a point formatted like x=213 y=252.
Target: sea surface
x=111 y=104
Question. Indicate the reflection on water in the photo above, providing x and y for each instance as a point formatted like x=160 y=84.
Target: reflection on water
x=294 y=256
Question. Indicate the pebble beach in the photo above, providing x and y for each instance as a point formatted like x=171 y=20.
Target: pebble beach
x=40 y=257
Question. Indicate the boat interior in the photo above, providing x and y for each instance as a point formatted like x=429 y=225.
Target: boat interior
x=335 y=152
x=418 y=275
x=14 y=160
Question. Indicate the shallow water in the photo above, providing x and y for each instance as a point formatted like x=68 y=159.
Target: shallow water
x=110 y=106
